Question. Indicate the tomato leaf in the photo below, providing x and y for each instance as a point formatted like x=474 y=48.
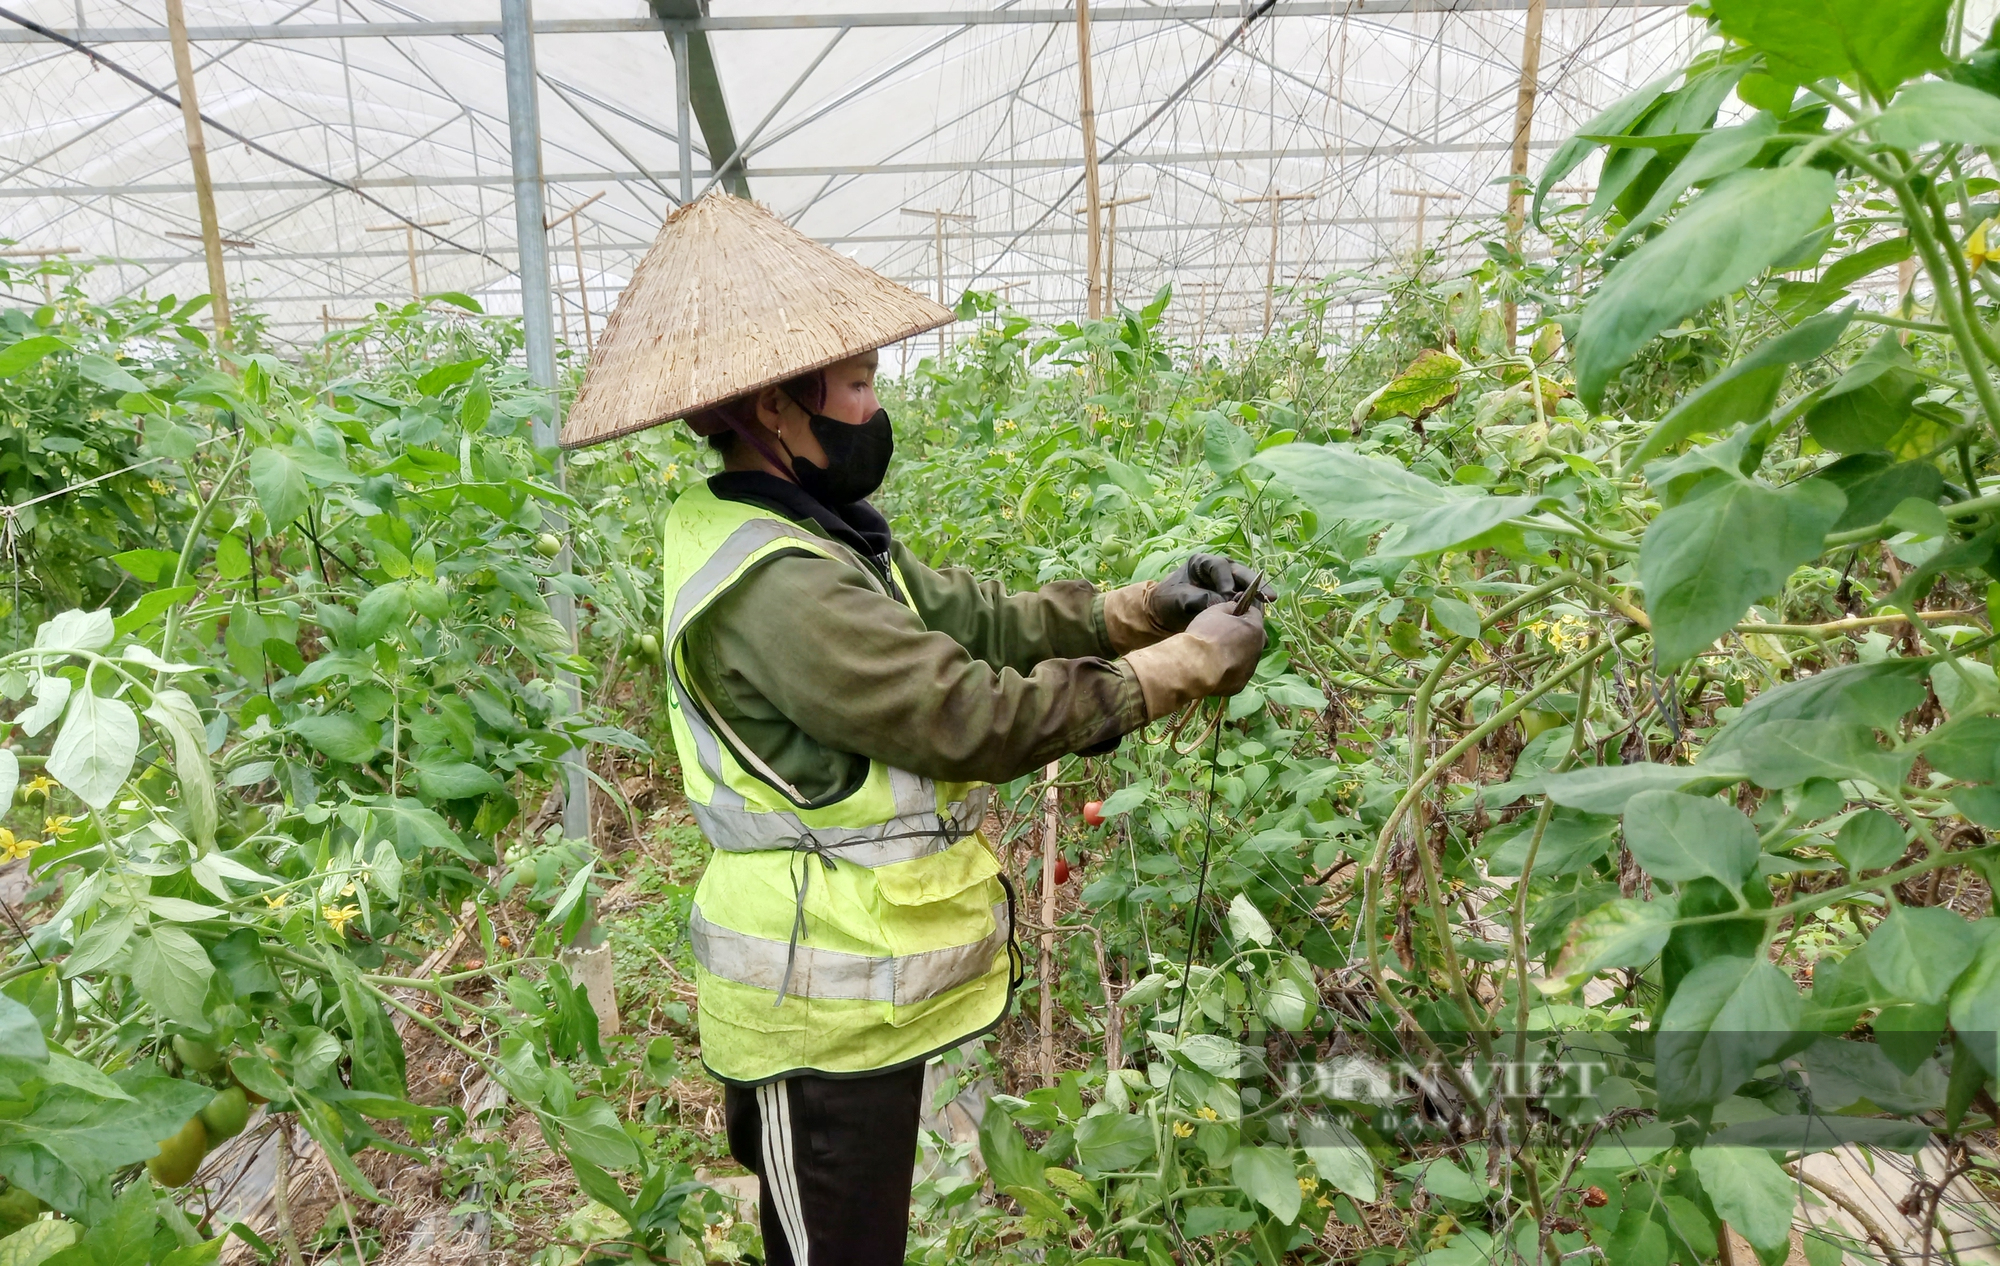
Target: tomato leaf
x=1268 y=1176
x=1704 y=561
x=1007 y=1155
x=1879 y=45
x=340 y=736
x=1726 y=237
x=95 y=748
x=280 y=485
x=1749 y=1192
x=1745 y=390
x=1115 y=1141
x=1919 y=951
x=1729 y=1015
x=1869 y=840
x=1714 y=155
x=1678 y=837
x=1339 y=1157
x=1622 y=933
x=1427 y=384
x=172 y=972
x=29 y=351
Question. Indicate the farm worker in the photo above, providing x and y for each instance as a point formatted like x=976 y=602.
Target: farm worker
x=839 y=708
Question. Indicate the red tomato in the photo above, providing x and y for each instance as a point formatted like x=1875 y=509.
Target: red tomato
x=1062 y=870
x=1093 y=812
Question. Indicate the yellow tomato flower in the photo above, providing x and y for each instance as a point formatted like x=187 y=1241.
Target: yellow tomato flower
x=1207 y=1113
x=339 y=917
x=1182 y=1129
x=159 y=487
x=1307 y=1186
x=12 y=849
x=39 y=785
x=347 y=891
x=57 y=825
x=1977 y=248
x=275 y=900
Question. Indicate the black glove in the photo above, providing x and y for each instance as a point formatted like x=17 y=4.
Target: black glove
x=1203 y=581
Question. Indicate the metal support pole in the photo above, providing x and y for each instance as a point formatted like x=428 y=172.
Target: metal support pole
x=683 y=124
x=204 y=190
x=589 y=956
x=1524 y=119
x=1092 y=197
x=538 y=322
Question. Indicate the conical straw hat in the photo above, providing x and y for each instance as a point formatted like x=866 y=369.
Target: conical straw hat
x=730 y=299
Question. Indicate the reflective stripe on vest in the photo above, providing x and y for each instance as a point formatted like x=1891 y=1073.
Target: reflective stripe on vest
x=890 y=955
x=916 y=830
x=820 y=973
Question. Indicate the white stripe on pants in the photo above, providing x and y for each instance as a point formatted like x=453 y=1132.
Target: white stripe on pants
x=781 y=1182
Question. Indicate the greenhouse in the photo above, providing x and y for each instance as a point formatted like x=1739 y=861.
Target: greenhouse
x=1100 y=633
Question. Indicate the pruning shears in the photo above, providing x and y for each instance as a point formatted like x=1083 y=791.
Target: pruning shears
x=1248 y=596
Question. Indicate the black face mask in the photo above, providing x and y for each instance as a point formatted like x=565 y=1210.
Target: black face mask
x=857 y=458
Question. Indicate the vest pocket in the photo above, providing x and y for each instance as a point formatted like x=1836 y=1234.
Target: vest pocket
x=939 y=877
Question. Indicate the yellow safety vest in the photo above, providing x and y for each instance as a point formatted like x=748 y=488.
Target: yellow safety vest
x=842 y=938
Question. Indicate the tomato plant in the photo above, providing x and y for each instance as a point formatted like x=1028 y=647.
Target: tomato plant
x=1605 y=833
x=1607 y=815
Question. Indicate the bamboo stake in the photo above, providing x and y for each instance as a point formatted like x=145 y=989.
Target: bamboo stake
x=409 y=232
x=938 y=217
x=1524 y=118
x=1092 y=194
x=1049 y=831
x=1424 y=197
x=576 y=250
x=204 y=189
x=1110 y=207
x=281 y=1195
x=1277 y=199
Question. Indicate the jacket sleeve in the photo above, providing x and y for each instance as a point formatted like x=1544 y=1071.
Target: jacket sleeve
x=859 y=672
x=1062 y=620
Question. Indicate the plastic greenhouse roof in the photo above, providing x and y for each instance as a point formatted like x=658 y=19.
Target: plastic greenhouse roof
x=857 y=125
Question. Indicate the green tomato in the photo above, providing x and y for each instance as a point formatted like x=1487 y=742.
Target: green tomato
x=1535 y=722
x=548 y=545
x=18 y=1207
x=196 y=1054
x=226 y=1114
x=649 y=646
x=180 y=1155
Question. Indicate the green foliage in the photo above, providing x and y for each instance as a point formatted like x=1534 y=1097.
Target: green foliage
x=1652 y=723
x=287 y=754
x=1589 y=724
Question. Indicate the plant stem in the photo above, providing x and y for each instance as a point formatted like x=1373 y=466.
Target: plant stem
x=1876 y=531
x=193 y=538
x=1943 y=287
x=1923 y=327
x=1819 y=900
x=281 y=1196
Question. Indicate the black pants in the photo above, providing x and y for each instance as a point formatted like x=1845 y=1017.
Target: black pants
x=834 y=1159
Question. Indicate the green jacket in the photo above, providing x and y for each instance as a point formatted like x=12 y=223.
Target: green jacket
x=819 y=674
